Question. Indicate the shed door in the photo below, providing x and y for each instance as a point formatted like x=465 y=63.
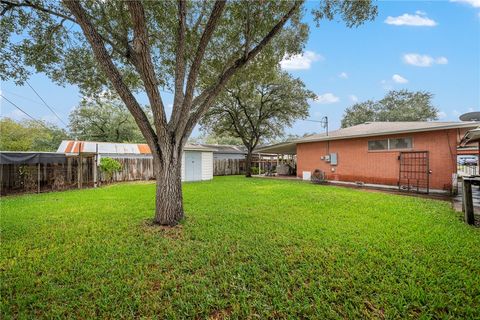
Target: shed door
x=193 y=166
x=414 y=172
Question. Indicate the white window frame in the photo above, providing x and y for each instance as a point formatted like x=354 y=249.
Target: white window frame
x=388 y=144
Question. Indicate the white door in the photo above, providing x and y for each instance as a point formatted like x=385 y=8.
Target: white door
x=193 y=166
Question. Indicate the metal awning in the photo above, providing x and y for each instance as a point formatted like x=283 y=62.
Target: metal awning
x=279 y=148
x=16 y=157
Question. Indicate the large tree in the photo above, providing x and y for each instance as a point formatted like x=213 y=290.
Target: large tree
x=400 y=105
x=104 y=118
x=30 y=135
x=192 y=48
x=257 y=106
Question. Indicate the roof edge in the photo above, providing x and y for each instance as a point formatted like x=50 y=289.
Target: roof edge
x=329 y=138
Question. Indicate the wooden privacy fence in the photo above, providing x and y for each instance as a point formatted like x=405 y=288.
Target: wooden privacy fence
x=45 y=177
x=32 y=172
x=225 y=167
x=132 y=169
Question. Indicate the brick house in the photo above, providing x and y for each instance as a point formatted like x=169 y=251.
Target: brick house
x=412 y=155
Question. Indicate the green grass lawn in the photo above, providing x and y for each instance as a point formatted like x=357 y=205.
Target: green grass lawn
x=249 y=248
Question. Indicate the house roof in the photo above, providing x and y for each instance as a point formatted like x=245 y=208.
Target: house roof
x=224 y=148
x=74 y=147
x=370 y=129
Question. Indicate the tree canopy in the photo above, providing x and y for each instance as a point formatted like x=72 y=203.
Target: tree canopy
x=192 y=48
x=104 y=117
x=30 y=135
x=400 y=105
x=257 y=106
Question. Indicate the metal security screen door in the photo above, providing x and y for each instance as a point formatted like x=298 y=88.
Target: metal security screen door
x=414 y=171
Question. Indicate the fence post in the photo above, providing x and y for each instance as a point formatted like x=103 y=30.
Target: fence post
x=80 y=171
x=38 y=177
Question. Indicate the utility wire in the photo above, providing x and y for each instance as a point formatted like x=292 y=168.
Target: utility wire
x=23 y=111
x=46 y=104
x=22 y=97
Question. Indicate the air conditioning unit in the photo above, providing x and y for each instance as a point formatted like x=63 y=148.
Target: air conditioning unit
x=307 y=175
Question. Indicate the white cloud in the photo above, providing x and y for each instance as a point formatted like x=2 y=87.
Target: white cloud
x=441 y=60
x=420 y=12
x=300 y=61
x=423 y=60
x=353 y=98
x=442 y=115
x=399 y=79
x=343 y=75
x=417 y=20
x=473 y=3
x=456 y=113
x=326 y=98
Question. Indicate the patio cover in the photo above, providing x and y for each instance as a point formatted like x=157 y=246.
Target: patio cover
x=279 y=148
x=471 y=136
x=7 y=157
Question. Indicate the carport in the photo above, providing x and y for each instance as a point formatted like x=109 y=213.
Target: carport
x=286 y=156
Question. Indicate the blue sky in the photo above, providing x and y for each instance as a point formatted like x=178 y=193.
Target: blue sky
x=415 y=45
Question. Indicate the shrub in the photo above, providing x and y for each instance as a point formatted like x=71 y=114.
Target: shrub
x=254 y=170
x=318 y=176
x=109 y=166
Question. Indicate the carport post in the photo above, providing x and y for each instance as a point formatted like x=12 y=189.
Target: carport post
x=95 y=164
x=468 y=201
x=259 y=164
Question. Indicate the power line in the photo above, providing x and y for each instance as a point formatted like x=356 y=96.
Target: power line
x=46 y=104
x=21 y=97
x=324 y=122
x=23 y=111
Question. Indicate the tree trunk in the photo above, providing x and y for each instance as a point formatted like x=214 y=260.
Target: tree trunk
x=169 y=199
x=248 y=164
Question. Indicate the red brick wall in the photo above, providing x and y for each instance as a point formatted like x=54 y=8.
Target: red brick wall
x=357 y=163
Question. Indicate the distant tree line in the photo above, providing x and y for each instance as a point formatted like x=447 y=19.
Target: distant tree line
x=402 y=105
x=27 y=135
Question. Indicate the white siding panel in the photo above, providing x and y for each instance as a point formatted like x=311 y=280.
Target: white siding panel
x=207 y=165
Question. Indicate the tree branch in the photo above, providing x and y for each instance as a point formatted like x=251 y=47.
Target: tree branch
x=179 y=65
x=144 y=65
x=105 y=62
x=204 y=100
x=197 y=61
x=35 y=6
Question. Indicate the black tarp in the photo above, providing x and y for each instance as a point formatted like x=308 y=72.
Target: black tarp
x=31 y=157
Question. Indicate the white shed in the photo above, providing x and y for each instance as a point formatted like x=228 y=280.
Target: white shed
x=137 y=161
x=197 y=163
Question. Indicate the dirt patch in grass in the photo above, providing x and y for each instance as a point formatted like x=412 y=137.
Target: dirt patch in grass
x=374 y=312
x=175 y=232
x=220 y=314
